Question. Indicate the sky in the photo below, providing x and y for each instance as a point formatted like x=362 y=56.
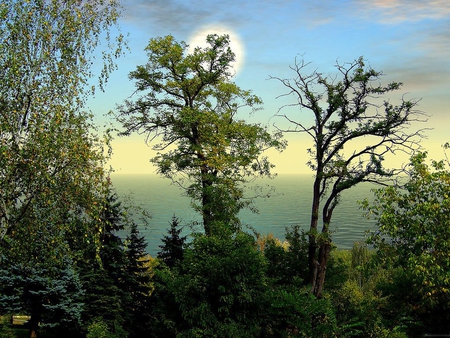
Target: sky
x=408 y=40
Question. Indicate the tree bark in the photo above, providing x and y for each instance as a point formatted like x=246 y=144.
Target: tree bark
x=34 y=324
x=321 y=268
x=312 y=246
x=206 y=207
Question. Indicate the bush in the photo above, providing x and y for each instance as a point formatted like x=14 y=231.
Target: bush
x=99 y=329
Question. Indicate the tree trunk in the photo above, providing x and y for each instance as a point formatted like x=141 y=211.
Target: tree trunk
x=321 y=268
x=34 y=324
x=207 y=212
x=312 y=246
x=324 y=250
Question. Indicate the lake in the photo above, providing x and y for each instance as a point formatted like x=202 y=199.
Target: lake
x=289 y=205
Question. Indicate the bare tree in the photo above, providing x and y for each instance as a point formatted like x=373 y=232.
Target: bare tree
x=351 y=113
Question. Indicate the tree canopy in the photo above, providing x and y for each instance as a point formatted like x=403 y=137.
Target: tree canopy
x=189 y=108
x=47 y=149
x=413 y=226
x=52 y=176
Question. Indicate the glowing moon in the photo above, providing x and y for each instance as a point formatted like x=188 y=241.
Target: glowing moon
x=198 y=39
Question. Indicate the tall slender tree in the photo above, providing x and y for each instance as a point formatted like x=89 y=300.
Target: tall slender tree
x=51 y=164
x=47 y=149
x=346 y=113
x=189 y=107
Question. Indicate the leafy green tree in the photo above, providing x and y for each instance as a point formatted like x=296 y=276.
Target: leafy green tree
x=413 y=237
x=288 y=265
x=347 y=113
x=51 y=164
x=216 y=291
x=47 y=151
x=189 y=106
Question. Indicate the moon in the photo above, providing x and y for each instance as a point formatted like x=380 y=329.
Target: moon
x=198 y=39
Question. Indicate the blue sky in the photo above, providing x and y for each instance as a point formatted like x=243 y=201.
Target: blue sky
x=409 y=40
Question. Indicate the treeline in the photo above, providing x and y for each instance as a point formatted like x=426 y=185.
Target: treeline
x=228 y=285
x=97 y=285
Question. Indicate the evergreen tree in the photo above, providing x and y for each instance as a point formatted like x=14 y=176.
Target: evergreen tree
x=172 y=250
x=103 y=300
x=112 y=250
x=103 y=269
x=137 y=258
x=138 y=283
x=52 y=295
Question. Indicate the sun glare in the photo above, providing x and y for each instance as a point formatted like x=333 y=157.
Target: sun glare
x=198 y=39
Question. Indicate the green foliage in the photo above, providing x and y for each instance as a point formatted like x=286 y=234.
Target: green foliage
x=288 y=265
x=52 y=294
x=294 y=313
x=138 y=283
x=217 y=290
x=189 y=103
x=50 y=163
x=412 y=226
x=413 y=233
x=99 y=329
x=5 y=327
x=117 y=280
x=103 y=298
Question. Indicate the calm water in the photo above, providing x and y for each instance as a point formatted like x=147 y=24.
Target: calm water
x=290 y=205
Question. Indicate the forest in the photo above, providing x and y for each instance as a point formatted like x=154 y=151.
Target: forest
x=73 y=262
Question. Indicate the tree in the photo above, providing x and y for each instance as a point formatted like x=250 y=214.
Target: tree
x=413 y=236
x=138 y=284
x=216 y=291
x=47 y=149
x=40 y=280
x=190 y=106
x=172 y=250
x=103 y=269
x=347 y=114
x=51 y=164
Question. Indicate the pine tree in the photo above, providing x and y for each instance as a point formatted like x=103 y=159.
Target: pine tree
x=138 y=282
x=137 y=260
x=105 y=279
x=112 y=251
x=172 y=250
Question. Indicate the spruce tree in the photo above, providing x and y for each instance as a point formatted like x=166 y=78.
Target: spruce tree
x=138 y=282
x=172 y=250
x=51 y=295
x=104 y=272
x=112 y=251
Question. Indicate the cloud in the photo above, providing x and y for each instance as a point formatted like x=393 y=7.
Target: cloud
x=398 y=11
x=179 y=16
x=164 y=14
